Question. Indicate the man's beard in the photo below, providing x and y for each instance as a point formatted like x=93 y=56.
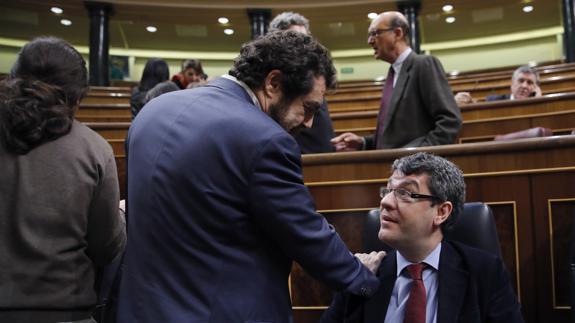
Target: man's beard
x=279 y=112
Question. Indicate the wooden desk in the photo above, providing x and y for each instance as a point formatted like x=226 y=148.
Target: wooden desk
x=107 y=97
x=108 y=89
x=560 y=122
x=104 y=112
x=367 y=98
x=483 y=110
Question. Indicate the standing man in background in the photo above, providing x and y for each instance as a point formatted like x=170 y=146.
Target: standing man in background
x=317 y=138
x=417 y=106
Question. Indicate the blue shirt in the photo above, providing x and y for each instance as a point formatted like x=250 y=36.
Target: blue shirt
x=400 y=293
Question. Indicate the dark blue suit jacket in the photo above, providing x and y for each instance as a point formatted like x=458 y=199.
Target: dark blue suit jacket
x=218 y=211
x=473 y=287
x=497 y=97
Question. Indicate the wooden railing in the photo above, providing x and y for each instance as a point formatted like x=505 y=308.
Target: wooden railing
x=476 y=77
x=344 y=121
x=368 y=99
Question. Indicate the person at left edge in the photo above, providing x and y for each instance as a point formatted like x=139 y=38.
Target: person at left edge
x=218 y=208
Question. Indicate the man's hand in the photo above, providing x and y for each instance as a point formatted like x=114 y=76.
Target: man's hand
x=347 y=142
x=537 y=91
x=371 y=260
x=463 y=98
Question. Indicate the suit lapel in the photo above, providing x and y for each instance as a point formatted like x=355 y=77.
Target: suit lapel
x=376 y=306
x=399 y=88
x=453 y=284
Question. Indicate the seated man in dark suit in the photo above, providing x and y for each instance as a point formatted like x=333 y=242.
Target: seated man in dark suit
x=429 y=279
x=524 y=84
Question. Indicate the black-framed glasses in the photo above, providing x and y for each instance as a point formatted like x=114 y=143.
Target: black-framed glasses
x=405 y=195
x=377 y=32
x=311 y=108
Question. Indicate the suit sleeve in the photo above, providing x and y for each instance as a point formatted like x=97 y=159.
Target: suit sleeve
x=440 y=104
x=502 y=305
x=344 y=308
x=282 y=205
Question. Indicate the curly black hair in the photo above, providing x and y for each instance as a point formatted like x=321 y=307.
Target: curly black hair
x=39 y=98
x=300 y=58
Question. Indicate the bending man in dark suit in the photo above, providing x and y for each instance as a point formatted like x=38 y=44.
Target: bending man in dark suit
x=218 y=208
x=417 y=108
x=315 y=139
x=423 y=197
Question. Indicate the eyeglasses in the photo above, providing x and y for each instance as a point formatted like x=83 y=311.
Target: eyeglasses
x=404 y=195
x=310 y=109
x=377 y=32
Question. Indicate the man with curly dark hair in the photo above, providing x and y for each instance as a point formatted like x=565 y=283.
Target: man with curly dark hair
x=218 y=208
x=317 y=138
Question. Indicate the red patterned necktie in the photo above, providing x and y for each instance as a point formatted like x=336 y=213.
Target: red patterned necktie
x=417 y=301
x=383 y=107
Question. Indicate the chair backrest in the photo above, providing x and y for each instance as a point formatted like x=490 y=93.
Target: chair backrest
x=475 y=227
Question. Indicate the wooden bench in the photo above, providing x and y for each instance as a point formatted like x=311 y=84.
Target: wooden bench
x=560 y=122
x=482 y=110
x=106 y=97
x=478 y=77
x=104 y=112
x=111 y=89
x=368 y=99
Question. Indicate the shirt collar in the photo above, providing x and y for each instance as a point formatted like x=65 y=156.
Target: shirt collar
x=431 y=260
x=246 y=88
x=399 y=61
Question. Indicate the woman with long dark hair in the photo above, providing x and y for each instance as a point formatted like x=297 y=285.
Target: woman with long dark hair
x=59 y=192
x=156 y=71
x=192 y=74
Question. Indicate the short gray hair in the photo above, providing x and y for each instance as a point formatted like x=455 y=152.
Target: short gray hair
x=287 y=19
x=527 y=70
x=159 y=89
x=445 y=180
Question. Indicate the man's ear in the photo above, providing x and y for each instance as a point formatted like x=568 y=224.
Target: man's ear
x=272 y=83
x=443 y=212
x=398 y=33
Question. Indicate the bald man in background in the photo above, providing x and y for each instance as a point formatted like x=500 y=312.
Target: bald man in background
x=417 y=108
